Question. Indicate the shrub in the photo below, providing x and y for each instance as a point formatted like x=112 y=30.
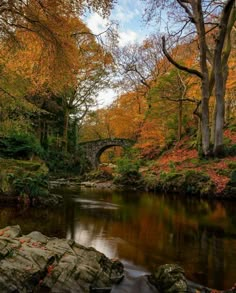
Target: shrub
x=31 y=185
x=128 y=172
x=98 y=175
x=151 y=181
x=233 y=177
x=20 y=146
x=190 y=182
x=231 y=150
x=23 y=178
x=59 y=162
x=126 y=166
x=232 y=165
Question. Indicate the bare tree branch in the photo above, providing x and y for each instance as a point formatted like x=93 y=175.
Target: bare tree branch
x=177 y=65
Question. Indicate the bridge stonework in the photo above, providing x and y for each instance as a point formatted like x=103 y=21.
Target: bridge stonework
x=94 y=149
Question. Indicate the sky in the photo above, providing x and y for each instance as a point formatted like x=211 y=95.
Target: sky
x=131 y=28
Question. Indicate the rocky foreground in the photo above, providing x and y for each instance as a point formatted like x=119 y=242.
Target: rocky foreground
x=36 y=263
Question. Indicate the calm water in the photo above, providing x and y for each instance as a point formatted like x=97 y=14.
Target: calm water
x=144 y=230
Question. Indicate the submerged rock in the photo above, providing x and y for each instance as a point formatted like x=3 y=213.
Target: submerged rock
x=36 y=263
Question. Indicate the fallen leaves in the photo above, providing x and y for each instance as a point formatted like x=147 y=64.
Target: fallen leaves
x=180 y=157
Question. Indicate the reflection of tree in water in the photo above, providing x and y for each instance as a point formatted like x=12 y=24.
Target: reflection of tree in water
x=69 y=210
x=150 y=230
x=211 y=257
x=48 y=221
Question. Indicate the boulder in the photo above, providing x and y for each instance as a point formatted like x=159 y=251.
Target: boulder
x=36 y=263
x=169 y=278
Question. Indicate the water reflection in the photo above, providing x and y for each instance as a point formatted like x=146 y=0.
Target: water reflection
x=144 y=230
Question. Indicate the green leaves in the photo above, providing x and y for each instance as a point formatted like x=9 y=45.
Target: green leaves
x=19 y=145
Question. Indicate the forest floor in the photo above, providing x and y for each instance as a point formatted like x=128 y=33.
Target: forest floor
x=183 y=157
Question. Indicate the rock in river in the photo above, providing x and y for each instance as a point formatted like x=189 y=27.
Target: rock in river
x=36 y=263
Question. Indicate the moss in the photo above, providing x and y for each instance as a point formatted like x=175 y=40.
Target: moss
x=23 y=178
x=150 y=181
x=224 y=172
x=98 y=175
x=230 y=190
x=233 y=178
x=131 y=179
x=232 y=165
x=186 y=182
x=171 y=182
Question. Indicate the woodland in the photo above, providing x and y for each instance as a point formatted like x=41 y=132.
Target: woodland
x=176 y=101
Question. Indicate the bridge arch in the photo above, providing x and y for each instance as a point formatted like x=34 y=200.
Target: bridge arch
x=94 y=149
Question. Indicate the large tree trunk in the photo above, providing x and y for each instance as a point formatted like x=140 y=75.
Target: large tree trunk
x=44 y=134
x=199 y=136
x=65 y=130
x=75 y=135
x=205 y=120
x=220 y=112
x=221 y=55
x=213 y=124
x=205 y=84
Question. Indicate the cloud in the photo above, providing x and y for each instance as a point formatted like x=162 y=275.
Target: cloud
x=106 y=97
x=96 y=23
x=127 y=37
x=124 y=15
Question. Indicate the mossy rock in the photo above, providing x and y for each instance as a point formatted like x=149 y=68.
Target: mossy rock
x=169 y=278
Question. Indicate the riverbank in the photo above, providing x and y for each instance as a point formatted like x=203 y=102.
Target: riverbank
x=179 y=169
x=215 y=179
x=26 y=182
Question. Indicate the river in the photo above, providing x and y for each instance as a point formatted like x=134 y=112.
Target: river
x=143 y=230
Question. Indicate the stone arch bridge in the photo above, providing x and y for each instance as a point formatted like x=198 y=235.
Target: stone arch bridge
x=94 y=149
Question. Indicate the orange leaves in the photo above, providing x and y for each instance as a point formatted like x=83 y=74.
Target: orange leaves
x=3 y=232
x=54 y=49
x=122 y=119
x=182 y=158
x=231 y=135
x=22 y=241
x=219 y=180
x=50 y=269
x=179 y=154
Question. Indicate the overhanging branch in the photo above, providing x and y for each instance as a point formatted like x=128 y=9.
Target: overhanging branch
x=177 y=65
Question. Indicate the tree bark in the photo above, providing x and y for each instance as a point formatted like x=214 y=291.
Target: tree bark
x=213 y=124
x=205 y=85
x=65 y=130
x=220 y=111
x=199 y=136
x=221 y=72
